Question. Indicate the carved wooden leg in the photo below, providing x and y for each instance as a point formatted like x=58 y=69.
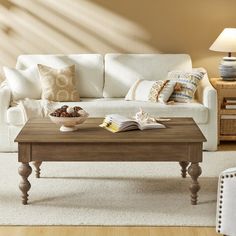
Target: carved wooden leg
x=24 y=170
x=37 y=165
x=194 y=171
x=184 y=165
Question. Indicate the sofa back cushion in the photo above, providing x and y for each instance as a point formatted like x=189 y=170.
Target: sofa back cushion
x=122 y=70
x=89 y=69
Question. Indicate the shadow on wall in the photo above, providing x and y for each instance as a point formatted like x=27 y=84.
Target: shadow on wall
x=101 y=26
x=65 y=26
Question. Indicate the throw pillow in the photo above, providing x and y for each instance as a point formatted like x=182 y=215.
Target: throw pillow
x=188 y=81
x=167 y=90
x=58 y=84
x=23 y=83
x=149 y=90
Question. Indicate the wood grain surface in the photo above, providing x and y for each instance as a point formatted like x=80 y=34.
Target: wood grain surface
x=43 y=130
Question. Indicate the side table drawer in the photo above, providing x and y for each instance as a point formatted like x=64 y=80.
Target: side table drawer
x=228 y=126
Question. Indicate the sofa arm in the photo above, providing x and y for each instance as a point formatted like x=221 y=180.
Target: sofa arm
x=206 y=94
x=5 y=99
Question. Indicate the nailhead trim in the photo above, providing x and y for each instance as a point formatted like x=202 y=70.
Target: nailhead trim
x=221 y=197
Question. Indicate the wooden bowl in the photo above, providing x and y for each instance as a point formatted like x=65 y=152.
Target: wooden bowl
x=69 y=124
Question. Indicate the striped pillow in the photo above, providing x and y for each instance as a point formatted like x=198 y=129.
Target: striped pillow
x=189 y=82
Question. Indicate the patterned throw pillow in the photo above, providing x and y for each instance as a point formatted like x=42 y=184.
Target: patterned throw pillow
x=188 y=81
x=58 y=84
x=149 y=90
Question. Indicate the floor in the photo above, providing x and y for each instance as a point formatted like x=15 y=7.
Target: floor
x=105 y=231
x=114 y=231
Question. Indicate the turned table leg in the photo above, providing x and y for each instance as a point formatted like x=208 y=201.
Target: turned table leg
x=24 y=170
x=194 y=171
x=37 y=165
x=184 y=165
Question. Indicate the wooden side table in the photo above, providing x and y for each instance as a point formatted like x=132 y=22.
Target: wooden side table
x=226 y=117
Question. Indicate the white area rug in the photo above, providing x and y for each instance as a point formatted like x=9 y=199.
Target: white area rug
x=111 y=193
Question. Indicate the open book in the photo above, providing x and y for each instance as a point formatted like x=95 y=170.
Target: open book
x=117 y=123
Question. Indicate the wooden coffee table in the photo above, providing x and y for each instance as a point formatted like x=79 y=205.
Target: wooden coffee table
x=40 y=140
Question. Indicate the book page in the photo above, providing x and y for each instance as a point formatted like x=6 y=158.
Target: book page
x=154 y=125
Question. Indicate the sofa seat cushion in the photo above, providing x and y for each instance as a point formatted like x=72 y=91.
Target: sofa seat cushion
x=103 y=106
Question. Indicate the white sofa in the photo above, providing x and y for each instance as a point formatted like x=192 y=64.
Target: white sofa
x=103 y=83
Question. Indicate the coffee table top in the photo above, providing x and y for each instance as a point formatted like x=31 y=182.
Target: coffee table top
x=42 y=130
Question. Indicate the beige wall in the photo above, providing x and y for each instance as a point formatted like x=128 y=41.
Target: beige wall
x=136 y=26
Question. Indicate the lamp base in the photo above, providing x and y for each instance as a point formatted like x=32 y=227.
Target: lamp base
x=228 y=68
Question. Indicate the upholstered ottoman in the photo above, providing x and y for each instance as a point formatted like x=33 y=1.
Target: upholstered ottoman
x=226 y=203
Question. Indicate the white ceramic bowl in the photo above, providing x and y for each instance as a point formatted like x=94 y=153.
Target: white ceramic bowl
x=69 y=123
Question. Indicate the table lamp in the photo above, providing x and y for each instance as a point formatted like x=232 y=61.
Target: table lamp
x=226 y=42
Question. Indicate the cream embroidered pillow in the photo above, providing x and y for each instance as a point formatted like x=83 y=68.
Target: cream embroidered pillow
x=58 y=84
x=166 y=92
x=149 y=90
x=188 y=81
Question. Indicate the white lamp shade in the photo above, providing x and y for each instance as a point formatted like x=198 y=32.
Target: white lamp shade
x=226 y=41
